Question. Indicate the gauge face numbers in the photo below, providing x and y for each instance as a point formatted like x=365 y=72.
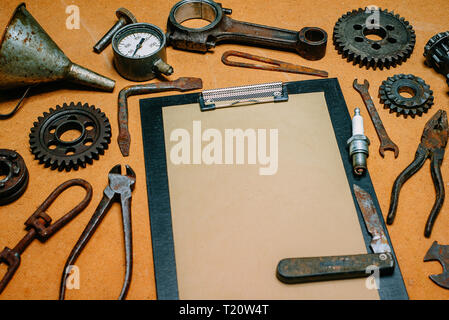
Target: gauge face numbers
x=139 y=44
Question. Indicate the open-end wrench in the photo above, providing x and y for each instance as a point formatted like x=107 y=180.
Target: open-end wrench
x=385 y=141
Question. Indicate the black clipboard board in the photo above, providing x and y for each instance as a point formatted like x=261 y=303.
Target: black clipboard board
x=390 y=287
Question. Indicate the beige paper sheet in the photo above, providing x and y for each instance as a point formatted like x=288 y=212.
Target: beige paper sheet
x=231 y=225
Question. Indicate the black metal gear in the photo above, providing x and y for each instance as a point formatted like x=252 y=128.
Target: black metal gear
x=50 y=148
x=15 y=172
x=396 y=38
x=419 y=102
x=436 y=52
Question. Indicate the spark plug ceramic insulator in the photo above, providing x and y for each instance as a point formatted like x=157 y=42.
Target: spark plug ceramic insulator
x=358 y=144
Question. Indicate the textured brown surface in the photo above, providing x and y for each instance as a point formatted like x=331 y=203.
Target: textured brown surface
x=102 y=262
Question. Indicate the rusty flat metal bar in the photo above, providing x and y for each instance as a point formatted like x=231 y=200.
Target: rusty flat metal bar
x=273 y=65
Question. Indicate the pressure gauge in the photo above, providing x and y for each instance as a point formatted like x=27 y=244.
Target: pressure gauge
x=139 y=52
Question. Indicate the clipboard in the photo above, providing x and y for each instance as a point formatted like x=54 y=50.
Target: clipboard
x=168 y=267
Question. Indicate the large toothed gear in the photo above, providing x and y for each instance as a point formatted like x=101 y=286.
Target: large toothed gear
x=374 y=38
x=54 y=150
x=406 y=94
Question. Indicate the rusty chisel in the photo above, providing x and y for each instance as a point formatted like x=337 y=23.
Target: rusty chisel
x=181 y=84
x=300 y=270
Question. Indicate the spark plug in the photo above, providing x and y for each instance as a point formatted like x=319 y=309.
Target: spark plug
x=358 y=144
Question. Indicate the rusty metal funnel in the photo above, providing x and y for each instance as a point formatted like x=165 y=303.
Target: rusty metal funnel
x=28 y=56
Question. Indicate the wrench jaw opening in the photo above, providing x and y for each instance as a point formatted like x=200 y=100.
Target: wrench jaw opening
x=391 y=146
x=359 y=87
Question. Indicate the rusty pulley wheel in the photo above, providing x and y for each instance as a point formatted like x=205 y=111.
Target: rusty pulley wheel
x=13 y=176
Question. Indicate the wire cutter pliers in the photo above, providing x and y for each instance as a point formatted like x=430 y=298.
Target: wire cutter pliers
x=433 y=144
x=119 y=189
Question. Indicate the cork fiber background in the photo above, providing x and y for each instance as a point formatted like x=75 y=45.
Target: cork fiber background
x=102 y=262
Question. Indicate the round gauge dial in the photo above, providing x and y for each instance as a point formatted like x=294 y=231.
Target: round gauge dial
x=139 y=52
x=139 y=44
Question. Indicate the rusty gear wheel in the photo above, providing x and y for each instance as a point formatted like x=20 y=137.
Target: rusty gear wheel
x=419 y=100
x=355 y=30
x=54 y=150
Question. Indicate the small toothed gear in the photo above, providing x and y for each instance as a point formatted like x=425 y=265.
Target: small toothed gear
x=51 y=148
x=419 y=100
x=354 y=32
x=436 y=52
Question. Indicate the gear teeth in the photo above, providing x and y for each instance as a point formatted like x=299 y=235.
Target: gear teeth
x=54 y=166
x=84 y=154
x=89 y=159
x=358 y=55
x=53 y=162
x=390 y=97
x=45 y=158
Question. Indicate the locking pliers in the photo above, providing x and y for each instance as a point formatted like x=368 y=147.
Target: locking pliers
x=433 y=144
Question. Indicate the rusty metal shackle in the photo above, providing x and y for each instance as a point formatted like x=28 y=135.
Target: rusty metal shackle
x=39 y=226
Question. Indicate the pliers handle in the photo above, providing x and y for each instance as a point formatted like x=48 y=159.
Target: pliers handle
x=433 y=144
x=421 y=156
x=119 y=189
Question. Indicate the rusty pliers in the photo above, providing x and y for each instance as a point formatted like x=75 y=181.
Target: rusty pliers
x=119 y=189
x=433 y=144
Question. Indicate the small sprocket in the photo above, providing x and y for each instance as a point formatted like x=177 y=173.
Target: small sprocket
x=374 y=38
x=51 y=146
x=406 y=94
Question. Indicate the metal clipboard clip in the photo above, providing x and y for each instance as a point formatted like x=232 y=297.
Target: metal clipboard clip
x=243 y=95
